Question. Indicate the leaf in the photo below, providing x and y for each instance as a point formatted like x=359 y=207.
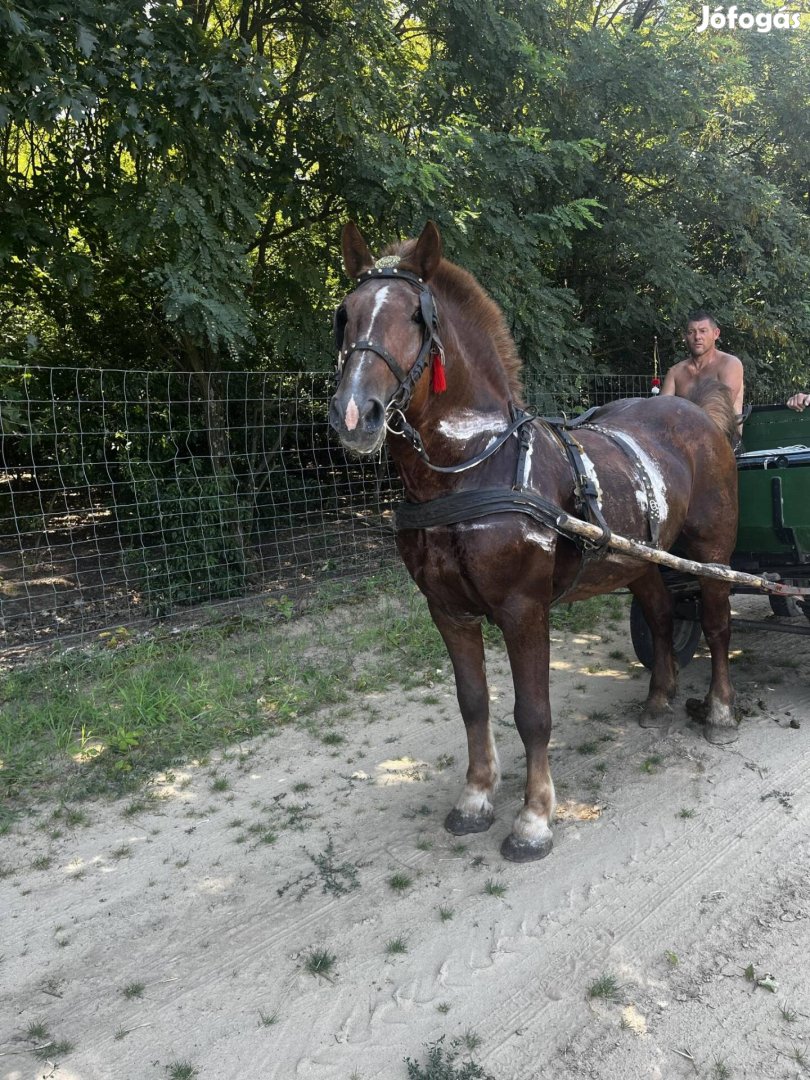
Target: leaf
x=86 y=40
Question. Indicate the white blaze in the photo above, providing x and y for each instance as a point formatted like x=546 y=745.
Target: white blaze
x=352 y=415
x=379 y=303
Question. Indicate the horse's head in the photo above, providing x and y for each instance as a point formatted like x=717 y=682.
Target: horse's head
x=384 y=332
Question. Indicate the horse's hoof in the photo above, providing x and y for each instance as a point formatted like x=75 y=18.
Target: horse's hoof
x=656 y=718
x=720 y=736
x=522 y=851
x=461 y=824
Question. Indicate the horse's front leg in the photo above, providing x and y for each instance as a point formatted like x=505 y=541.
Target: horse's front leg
x=525 y=631
x=473 y=811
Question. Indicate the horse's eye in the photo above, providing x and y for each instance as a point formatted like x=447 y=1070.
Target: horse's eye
x=417 y=317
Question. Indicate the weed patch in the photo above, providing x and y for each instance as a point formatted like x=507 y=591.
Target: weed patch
x=445 y=1063
x=606 y=987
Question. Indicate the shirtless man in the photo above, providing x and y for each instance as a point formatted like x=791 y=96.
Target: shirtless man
x=705 y=361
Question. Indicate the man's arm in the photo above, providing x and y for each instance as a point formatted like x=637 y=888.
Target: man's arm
x=669 y=382
x=732 y=376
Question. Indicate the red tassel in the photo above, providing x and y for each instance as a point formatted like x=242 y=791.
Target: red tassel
x=439 y=382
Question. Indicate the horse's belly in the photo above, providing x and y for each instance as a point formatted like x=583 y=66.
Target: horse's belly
x=472 y=568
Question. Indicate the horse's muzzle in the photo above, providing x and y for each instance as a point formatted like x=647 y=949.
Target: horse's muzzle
x=361 y=428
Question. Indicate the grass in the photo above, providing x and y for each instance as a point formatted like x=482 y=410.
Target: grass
x=397 y=946
x=447 y=1063
x=652 y=763
x=46 y=1048
x=336 y=878
x=399 y=882
x=588 y=748
x=577 y=618
x=320 y=962
x=133 y=990
x=181 y=1070
x=606 y=987
x=102 y=722
x=446 y=914
x=495 y=888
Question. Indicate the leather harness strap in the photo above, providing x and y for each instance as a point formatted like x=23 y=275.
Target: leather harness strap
x=462 y=506
x=653 y=512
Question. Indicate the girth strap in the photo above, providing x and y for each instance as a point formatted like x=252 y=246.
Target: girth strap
x=466 y=505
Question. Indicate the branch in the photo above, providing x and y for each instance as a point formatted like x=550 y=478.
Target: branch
x=266 y=237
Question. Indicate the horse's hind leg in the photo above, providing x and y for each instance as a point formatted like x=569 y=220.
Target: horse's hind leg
x=717 y=710
x=473 y=811
x=655 y=601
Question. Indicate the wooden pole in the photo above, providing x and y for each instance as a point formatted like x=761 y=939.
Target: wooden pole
x=636 y=550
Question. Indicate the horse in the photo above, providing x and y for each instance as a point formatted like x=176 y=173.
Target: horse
x=427 y=365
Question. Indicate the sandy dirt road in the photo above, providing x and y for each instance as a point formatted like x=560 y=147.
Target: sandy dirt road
x=179 y=935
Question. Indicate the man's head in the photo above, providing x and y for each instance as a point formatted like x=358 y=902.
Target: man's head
x=702 y=332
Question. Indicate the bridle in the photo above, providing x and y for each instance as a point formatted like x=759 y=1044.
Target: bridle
x=431 y=350
x=431 y=342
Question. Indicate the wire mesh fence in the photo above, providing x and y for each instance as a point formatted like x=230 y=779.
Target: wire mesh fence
x=131 y=494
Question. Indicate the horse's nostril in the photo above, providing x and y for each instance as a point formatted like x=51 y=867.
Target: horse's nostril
x=334 y=414
x=373 y=415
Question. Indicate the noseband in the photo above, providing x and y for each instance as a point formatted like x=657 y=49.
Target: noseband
x=431 y=342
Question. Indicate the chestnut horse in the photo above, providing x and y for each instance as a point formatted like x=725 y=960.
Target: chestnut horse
x=427 y=365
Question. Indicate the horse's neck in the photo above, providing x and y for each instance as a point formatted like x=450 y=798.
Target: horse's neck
x=457 y=424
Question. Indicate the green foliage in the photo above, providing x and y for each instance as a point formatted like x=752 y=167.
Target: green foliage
x=190 y=539
x=126 y=156
x=175 y=176
x=443 y=1063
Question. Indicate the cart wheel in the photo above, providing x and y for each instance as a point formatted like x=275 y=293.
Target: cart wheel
x=784 y=606
x=685 y=637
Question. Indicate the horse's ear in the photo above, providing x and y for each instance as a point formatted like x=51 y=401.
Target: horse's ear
x=428 y=251
x=356 y=254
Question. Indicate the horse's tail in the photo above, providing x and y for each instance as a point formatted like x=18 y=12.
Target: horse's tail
x=715 y=399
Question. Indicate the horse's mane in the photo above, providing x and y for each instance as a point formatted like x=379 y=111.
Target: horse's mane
x=714 y=398
x=478 y=308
